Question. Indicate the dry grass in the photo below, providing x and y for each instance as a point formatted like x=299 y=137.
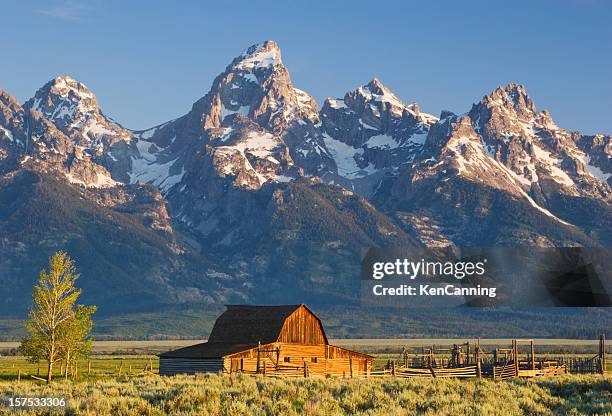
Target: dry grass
x=244 y=395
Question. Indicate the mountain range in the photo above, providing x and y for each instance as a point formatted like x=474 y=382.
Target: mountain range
x=257 y=194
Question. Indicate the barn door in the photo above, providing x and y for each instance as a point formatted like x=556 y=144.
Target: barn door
x=235 y=365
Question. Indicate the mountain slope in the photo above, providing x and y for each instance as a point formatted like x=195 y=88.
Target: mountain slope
x=128 y=256
x=506 y=171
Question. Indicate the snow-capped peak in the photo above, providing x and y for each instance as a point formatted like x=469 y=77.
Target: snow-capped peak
x=63 y=99
x=512 y=101
x=376 y=91
x=262 y=55
x=66 y=85
x=72 y=107
x=257 y=86
x=536 y=154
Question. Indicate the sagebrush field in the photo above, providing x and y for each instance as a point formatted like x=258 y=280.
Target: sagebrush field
x=248 y=395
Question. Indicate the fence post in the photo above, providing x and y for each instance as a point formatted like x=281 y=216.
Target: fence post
x=602 y=353
x=18 y=375
x=515 y=358
x=478 y=370
x=258 y=356
x=305 y=369
x=532 y=355
x=351 y=365
x=393 y=368
x=88 y=367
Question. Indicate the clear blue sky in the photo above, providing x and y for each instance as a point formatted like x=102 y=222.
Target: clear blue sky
x=148 y=61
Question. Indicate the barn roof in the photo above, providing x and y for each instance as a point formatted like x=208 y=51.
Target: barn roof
x=251 y=324
x=239 y=328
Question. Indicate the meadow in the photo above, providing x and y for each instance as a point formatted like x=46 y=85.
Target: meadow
x=213 y=394
x=120 y=379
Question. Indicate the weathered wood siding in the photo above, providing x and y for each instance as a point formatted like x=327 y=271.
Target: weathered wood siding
x=322 y=366
x=172 y=366
x=321 y=359
x=302 y=327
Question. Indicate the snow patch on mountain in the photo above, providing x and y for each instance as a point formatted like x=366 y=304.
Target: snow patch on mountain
x=256 y=152
x=382 y=141
x=103 y=180
x=550 y=163
x=258 y=144
x=346 y=159
x=244 y=110
x=6 y=133
x=259 y=56
x=147 y=168
x=593 y=170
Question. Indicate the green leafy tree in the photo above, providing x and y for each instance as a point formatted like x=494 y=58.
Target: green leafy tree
x=58 y=329
x=75 y=340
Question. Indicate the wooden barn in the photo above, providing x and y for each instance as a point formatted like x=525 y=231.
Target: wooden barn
x=266 y=339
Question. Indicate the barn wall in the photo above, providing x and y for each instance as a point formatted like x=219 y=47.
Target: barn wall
x=339 y=352
x=322 y=366
x=172 y=366
x=302 y=327
x=321 y=359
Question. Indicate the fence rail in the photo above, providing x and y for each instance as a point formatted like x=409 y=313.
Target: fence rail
x=504 y=372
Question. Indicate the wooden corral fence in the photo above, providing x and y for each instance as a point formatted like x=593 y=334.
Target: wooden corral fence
x=272 y=367
x=592 y=365
x=503 y=372
x=470 y=360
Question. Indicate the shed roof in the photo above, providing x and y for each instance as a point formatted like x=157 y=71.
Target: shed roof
x=207 y=350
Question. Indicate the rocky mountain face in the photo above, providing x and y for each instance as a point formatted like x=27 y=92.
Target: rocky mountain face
x=371 y=133
x=533 y=171
x=255 y=184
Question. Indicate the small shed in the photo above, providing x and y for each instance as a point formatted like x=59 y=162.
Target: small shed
x=248 y=338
